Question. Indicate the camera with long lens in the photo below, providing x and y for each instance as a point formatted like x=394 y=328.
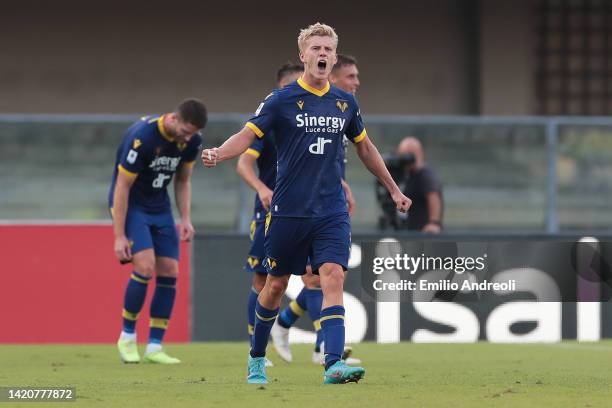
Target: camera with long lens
x=398 y=166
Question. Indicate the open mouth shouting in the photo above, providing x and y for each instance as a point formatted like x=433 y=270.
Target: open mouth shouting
x=322 y=65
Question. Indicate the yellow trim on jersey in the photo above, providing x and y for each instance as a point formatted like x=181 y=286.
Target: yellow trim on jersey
x=268 y=220
x=250 y=329
x=321 y=320
x=125 y=171
x=129 y=315
x=296 y=308
x=318 y=92
x=265 y=319
x=253 y=152
x=361 y=136
x=317 y=325
x=139 y=279
x=159 y=323
x=162 y=129
x=255 y=129
x=189 y=163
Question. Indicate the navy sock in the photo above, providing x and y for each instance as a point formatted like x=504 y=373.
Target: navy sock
x=292 y=312
x=332 y=324
x=135 y=294
x=264 y=319
x=161 y=307
x=251 y=302
x=317 y=326
x=314 y=300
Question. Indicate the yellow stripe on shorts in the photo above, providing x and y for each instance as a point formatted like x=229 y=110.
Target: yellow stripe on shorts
x=268 y=220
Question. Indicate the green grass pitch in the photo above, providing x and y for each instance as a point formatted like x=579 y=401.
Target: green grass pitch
x=397 y=375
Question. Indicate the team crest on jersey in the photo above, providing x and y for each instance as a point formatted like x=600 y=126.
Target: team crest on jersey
x=181 y=146
x=342 y=105
x=270 y=262
x=252 y=261
x=137 y=143
x=300 y=104
x=157 y=151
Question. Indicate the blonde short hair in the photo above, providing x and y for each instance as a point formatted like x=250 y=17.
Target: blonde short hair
x=317 y=29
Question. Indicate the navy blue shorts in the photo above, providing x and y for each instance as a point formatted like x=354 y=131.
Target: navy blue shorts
x=257 y=252
x=291 y=241
x=152 y=230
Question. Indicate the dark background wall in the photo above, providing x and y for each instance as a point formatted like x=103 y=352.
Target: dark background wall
x=415 y=57
x=544 y=270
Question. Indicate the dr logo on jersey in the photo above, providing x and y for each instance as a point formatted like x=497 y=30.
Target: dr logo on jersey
x=318 y=147
x=159 y=181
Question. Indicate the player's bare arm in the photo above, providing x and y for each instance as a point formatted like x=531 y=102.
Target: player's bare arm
x=231 y=148
x=182 y=196
x=350 y=200
x=371 y=158
x=120 y=207
x=246 y=169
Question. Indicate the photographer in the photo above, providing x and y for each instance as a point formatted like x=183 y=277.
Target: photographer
x=417 y=181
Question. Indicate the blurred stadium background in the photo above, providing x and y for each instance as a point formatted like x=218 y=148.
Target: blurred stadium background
x=437 y=70
x=510 y=98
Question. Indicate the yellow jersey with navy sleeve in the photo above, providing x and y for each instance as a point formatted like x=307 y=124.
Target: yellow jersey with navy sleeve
x=308 y=126
x=150 y=153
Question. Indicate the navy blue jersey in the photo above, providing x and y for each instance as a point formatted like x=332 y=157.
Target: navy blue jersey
x=149 y=152
x=308 y=125
x=265 y=152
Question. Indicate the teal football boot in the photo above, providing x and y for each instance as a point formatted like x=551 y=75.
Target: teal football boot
x=340 y=373
x=257 y=370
